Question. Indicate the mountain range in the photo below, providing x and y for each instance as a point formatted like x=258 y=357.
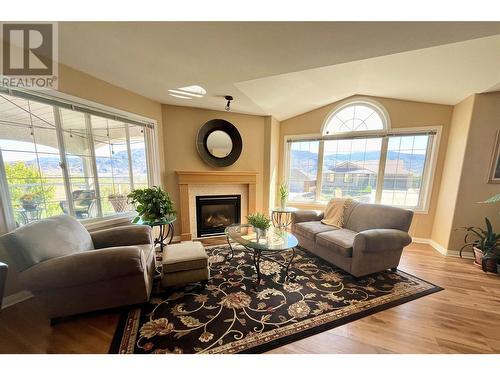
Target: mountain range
x=412 y=162
x=118 y=164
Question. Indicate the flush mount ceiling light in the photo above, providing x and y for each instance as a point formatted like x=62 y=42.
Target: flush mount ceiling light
x=228 y=104
x=188 y=92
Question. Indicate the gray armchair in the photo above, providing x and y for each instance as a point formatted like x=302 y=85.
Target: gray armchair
x=372 y=239
x=73 y=271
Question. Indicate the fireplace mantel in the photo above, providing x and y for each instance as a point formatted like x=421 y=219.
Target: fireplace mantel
x=187 y=178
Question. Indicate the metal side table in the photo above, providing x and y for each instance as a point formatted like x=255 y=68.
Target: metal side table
x=166 y=226
x=282 y=216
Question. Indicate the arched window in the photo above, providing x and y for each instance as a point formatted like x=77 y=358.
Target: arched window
x=355 y=116
x=359 y=156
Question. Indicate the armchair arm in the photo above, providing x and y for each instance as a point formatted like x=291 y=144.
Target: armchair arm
x=84 y=268
x=306 y=215
x=126 y=235
x=374 y=240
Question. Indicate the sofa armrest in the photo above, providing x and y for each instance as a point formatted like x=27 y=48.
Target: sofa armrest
x=306 y=215
x=374 y=240
x=126 y=235
x=84 y=268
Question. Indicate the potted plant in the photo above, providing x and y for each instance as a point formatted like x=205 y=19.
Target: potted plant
x=29 y=202
x=485 y=243
x=152 y=204
x=119 y=202
x=260 y=222
x=283 y=191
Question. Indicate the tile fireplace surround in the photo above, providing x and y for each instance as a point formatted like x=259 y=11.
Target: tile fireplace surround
x=187 y=179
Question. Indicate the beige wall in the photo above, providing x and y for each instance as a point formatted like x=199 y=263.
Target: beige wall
x=476 y=121
x=181 y=126
x=403 y=114
x=84 y=86
x=452 y=171
x=271 y=161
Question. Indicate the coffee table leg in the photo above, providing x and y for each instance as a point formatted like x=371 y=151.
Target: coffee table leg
x=229 y=256
x=256 y=262
x=290 y=275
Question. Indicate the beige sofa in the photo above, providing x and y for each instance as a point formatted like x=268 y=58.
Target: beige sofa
x=372 y=239
x=73 y=271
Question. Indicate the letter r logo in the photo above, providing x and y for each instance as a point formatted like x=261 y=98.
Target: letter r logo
x=27 y=49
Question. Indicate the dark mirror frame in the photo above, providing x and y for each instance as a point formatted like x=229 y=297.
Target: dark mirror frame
x=201 y=143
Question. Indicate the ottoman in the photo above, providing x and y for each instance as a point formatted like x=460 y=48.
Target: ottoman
x=183 y=263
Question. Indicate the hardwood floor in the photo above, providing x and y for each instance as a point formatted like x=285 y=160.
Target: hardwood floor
x=464 y=318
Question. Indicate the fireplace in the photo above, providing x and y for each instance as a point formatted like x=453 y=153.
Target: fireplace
x=215 y=212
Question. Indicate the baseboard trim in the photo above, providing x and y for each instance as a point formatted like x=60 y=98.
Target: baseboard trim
x=18 y=297
x=421 y=240
x=442 y=250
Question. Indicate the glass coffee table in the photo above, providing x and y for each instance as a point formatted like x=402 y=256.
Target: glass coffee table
x=274 y=242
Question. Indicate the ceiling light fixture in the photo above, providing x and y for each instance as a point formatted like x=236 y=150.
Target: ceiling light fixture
x=228 y=104
x=180 y=96
x=188 y=92
x=185 y=93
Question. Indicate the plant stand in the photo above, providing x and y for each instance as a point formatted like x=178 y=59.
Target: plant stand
x=166 y=228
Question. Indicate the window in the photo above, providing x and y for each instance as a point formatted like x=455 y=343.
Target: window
x=58 y=160
x=302 y=172
x=404 y=170
x=355 y=117
x=358 y=156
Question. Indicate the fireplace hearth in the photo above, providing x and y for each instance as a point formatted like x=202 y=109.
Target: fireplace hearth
x=215 y=212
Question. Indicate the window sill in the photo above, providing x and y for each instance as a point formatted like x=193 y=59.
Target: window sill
x=322 y=205
x=110 y=221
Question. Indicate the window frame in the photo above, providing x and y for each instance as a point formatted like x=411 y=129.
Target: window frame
x=379 y=109
x=55 y=99
x=429 y=166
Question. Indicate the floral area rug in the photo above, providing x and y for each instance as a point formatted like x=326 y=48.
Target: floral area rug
x=228 y=316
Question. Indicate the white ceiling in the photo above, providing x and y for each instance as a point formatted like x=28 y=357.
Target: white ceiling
x=287 y=68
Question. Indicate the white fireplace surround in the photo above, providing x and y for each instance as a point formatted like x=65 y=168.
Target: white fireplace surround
x=199 y=190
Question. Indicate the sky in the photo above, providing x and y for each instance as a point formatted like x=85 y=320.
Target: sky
x=24 y=151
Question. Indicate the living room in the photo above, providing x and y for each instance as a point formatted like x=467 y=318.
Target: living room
x=250 y=187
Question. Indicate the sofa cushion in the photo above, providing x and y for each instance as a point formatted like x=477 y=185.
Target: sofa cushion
x=310 y=229
x=366 y=216
x=46 y=239
x=340 y=241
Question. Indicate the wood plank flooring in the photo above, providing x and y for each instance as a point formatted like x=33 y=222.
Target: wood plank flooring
x=464 y=318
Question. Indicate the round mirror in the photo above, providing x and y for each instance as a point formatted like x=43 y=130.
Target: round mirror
x=219 y=144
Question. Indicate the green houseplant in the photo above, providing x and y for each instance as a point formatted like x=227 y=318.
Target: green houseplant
x=485 y=243
x=152 y=204
x=260 y=222
x=283 y=191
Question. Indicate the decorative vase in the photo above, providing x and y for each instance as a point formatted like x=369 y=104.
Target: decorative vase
x=260 y=233
x=120 y=204
x=283 y=202
x=478 y=257
x=490 y=265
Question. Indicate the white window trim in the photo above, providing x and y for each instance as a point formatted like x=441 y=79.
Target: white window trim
x=376 y=106
x=429 y=169
x=7 y=221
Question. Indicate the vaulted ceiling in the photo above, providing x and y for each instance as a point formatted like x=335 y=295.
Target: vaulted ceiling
x=287 y=68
